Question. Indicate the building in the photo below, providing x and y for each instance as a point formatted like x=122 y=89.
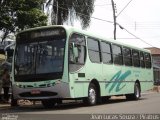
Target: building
x=6 y=47
x=156 y=63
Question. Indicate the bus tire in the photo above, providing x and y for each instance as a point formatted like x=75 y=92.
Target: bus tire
x=92 y=95
x=13 y=101
x=48 y=103
x=137 y=93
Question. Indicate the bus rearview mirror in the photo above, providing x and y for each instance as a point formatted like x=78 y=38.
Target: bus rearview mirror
x=74 y=50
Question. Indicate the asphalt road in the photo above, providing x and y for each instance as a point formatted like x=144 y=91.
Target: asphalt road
x=148 y=104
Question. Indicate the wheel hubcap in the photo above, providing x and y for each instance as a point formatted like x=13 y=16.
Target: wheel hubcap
x=92 y=95
x=137 y=92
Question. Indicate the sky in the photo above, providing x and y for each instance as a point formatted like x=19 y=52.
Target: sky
x=140 y=17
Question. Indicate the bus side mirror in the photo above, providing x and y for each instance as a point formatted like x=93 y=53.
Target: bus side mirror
x=73 y=53
x=75 y=50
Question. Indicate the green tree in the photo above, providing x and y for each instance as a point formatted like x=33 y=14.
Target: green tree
x=62 y=10
x=16 y=15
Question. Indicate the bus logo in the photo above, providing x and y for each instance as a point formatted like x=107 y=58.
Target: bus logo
x=117 y=80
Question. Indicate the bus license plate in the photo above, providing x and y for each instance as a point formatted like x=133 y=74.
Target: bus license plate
x=35 y=92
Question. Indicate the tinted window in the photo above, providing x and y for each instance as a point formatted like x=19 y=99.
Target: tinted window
x=117 y=54
x=106 y=47
x=77 y=52
x=94 y=50
x=142 y=60
x=148 y=60
x=106 y=52
x=127 y=56
x=136 y=60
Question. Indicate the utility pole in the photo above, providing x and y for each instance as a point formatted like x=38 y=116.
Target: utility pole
x=114 y=19
x=57 y=13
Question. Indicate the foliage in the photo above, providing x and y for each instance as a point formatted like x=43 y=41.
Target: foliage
x=73 y=9
x=16 y=15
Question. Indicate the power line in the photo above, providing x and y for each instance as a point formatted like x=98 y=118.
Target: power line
x=140 y=25
x=127 y=38
x=124 y=8
x=134 y=35
x=111 y=22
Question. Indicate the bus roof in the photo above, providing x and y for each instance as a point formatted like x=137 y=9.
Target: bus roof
x=71 y=29
x=94 y=35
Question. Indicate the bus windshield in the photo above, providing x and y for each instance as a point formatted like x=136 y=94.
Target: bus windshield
x=42 y=57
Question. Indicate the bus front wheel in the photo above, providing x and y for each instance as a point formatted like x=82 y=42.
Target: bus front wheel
x=92 y=94
x=13 y=101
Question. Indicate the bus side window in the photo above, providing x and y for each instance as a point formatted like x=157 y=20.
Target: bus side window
x=136 y=58
x=77 y=51
x=117 y=54
x=142 y=60
x=148 y=60
x=94 y=50
x=127 y=56
x=106 y=53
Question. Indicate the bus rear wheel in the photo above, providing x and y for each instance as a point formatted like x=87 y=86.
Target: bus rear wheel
x=137 y=93
x=48 y=103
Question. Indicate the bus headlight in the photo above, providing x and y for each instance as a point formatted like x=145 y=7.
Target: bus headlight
x=19 y=85
x=58 y=82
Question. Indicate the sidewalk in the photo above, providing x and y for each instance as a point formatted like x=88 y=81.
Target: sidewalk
x=4 y=105
x=20 y=103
